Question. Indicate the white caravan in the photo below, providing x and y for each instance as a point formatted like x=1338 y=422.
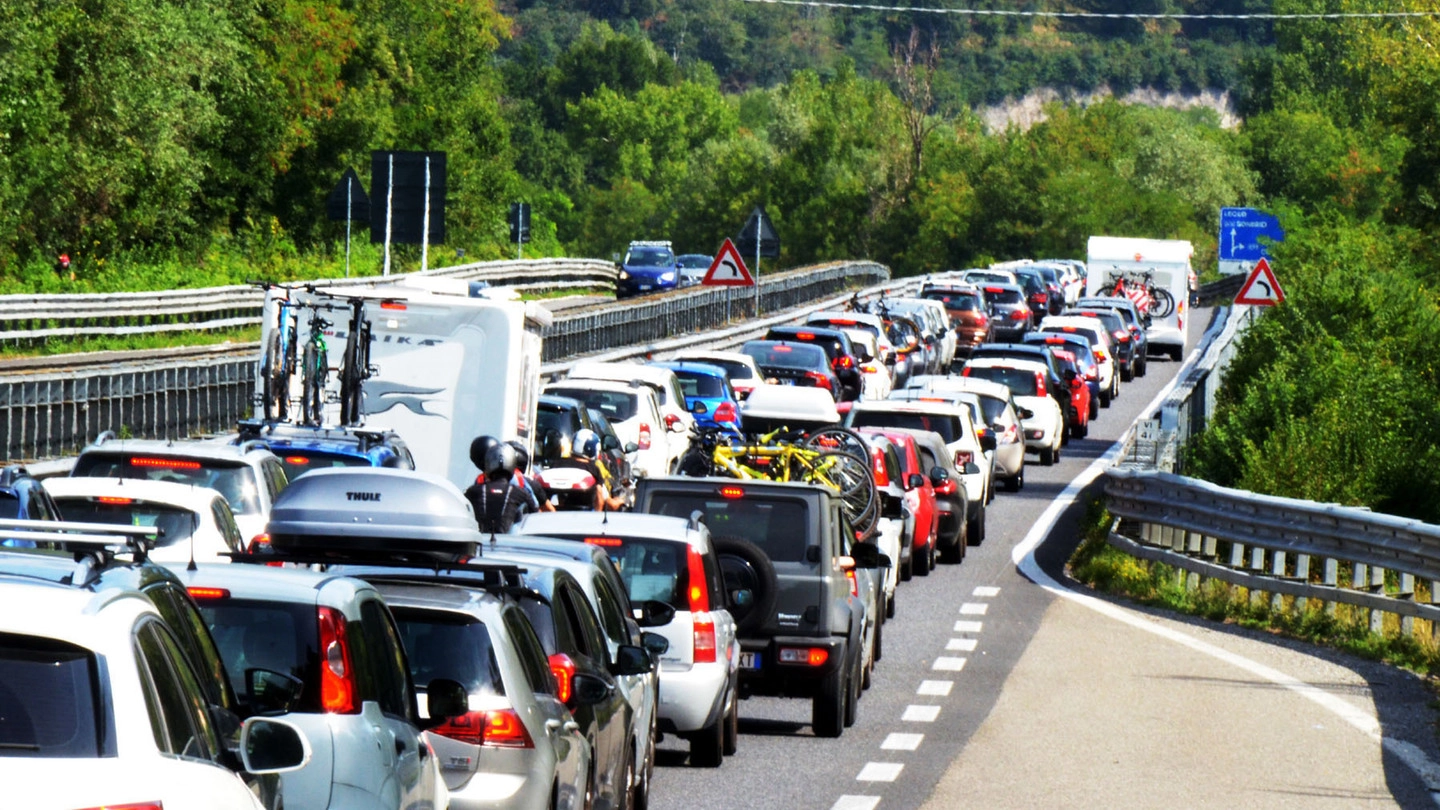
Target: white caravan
x=451 y=361
x=1168 y=263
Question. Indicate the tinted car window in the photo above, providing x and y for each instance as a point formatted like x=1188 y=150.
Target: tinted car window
x=449 y=645
x=616 y=405
x=1021 y=382
x=701 y=385
x=776 y=525
x=1000 y=295
x=281 y=637
x=49 y=702
x=947 y=425
x=786 y=356
x=176 y=524
x=234 y=481
x=734 y=368
x=562 y=420
x=530 y=651
x=650 y=568
x=649 y=257
x=963 y=301
x=174 y=696
x=384 y=659
x=542 y=619
x=297 y=462
x=611 y=611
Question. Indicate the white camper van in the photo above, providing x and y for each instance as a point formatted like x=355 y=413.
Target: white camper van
x=451 y=360
x=1167 y=263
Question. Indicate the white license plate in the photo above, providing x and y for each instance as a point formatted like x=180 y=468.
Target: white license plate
x=647 y=286
x=749 y=660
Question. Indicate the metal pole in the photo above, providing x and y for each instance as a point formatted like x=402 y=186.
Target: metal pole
x=759 y=220
x=389 y=209
x=349 y=184
x=425 y=223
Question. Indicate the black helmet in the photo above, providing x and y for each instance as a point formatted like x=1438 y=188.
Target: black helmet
x=522 y=456
x=552 y=445
x=480 y=447
x=499 y=461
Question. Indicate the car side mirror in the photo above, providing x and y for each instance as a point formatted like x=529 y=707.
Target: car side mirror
x=587 y=689
x=631 y=660
x=654 y=643
x=971 y=468
x=631 y=447
x=445 y=699
x=610 y=442
x=865 y=555
x=269 y=745
x=699 y=407
x=654 y=613
x=939 y=475
x=269 y=691
x=987 y=440
x=914 y=481
x=1024 y=413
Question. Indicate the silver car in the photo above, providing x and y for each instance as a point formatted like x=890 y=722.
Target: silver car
x=672 y=560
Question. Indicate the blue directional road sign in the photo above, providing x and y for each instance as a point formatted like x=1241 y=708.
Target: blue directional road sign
x=1241 y=230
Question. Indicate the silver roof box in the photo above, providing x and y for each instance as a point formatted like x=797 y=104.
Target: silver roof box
x=367 y=511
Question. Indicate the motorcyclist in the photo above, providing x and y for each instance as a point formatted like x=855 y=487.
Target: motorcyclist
x=497 y=500
x=522 y=466
x=584 y=449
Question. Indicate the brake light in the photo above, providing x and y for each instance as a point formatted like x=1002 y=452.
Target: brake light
x=564 y=671
x=965 y=372
x=781 y=349
x=809 y=656
x=1100 y=354
x=167 y=463
x=644 y=436
x=805 y=335
x=395 y=305
x=844 y=361
x=1019 y=315
x=963 y=457
x=1056 y=341
x=882 y=478
x=1038 y=298
x=1039 y=384
x=337 y=675
x=704 y=636
x=820 y=380
x=994 y=290
x=946 y=488
x=1122 y=335
x=297 y=460
x=854 y=582
x=671 y=420
x=209 y=593
x=725 y=412
x=732 y=493
x=1092 y=373
x=605 y=542
x=497 y=728
x=695 y=569
x=106 y=499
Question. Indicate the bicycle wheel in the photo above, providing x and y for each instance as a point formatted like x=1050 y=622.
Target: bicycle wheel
x=351 y=377
x=851 y=478
x=841 y=439
x=273 y=381
x=1162 y=303
x=313 y=384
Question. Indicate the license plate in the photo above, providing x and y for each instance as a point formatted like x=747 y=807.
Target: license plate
x=749 y=660
x=787 y=382
x=647 y=286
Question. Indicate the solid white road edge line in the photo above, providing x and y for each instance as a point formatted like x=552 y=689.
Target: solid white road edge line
x=1023 y=555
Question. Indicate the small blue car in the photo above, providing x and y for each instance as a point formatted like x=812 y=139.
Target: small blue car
x=708 y=395
x=648 y=267
x=302 y=448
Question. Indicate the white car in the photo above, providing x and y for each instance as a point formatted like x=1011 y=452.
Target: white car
x=672 y=560
x=977 y=418
x=196 y=521
x=938 y=318
x=634 y=412
x=875 y=379
x=848 y=321
x=1045 y=427
x=102 y=709
x=1002 y=415
x=743 y=372
x=1099 y=337
x=678 y=421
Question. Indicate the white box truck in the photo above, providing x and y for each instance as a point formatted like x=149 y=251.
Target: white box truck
x=1166 y=263
x=451 y=360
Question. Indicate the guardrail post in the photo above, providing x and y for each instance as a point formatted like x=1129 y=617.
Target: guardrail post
x=1377 y=585
x=1237 y=555
x=1277 y=570
x=1302 y=574
x=1257 y=565
x=1407 y=591
x=1332 y=580
x=1435 y=600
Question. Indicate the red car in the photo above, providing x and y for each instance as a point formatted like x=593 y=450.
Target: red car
x=922 y=516
x=1079 y=393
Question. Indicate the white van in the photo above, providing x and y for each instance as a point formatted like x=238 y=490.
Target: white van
x=1167 y=263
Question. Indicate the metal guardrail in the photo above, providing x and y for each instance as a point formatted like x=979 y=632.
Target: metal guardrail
x=1273 y=547
x=29 y=319
x=50 y=412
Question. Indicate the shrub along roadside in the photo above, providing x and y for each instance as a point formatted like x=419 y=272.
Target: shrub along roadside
x=1107 y=569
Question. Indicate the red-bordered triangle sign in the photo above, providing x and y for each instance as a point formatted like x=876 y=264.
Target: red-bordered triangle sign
x=728 y=269
x=1260 y=288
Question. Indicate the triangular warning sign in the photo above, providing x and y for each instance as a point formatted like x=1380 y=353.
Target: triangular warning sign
x=1260 y=288
x=728 y=269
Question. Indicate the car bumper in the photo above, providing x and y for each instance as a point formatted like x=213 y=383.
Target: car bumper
x=691 y=698
x=1044 y=440
x=789 y=680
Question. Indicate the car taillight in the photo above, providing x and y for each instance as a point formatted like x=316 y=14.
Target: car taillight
x=809 y=656
x=564 y=671
x=854 y=582
x=112 y=501
x=844 y=361
x=337 y=675
x=963 y=457
x=1038 y=298
x=699 y=595
x=1019 y=315
x=644 y=436
x=1122 y=336
x=946 y=488
x=882 y=478
x=208 y=593
x=725 y=412
x=166 y=463
x=671 y=420
x=965 y=372
x=1039 y=384
x=497 y=728
x=1100 y=355
x=820 y=380
x=704 y=638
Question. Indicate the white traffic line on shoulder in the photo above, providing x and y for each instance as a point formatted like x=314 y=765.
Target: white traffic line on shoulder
x=935 y=688
x=974 y=609
x=985 y=591
x=961 y=645
x=948 y=664
x=920 y=714
x=898 y=741
x=880 y=772
x=856 y=803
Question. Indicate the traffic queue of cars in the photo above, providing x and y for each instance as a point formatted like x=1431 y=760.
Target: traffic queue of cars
x=296 y=617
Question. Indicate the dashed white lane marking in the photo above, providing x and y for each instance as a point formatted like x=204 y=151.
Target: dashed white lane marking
x=964 y=626
x=947 y=664
x=974 y=609
x=961 y=644
x=848 y=802
x=986 y=591
x=902 y=742
x=920 y=714
x=935 y=688
x=880 y=772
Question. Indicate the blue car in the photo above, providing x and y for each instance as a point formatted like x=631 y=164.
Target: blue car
x=301 y=448
x=708 y=395
x=648 y=267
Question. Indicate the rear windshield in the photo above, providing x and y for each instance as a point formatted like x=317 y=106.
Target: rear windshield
x=701 y=385
x=278 y=636
x=777 y=525
x=947 y=425
x=449 y=645
x=616 y=405
x=650 y=568
x=1021 y=382
x=832 y=345
x=298 y=461
x=176 y=524
x=962 y=301
x=786 y=356
x=50 y=703
x=1001 y=295
x=1089 y=334
x=561 y=420
x=234 y=481
x=992 y=407
x=734 y=368
x=1112 y=321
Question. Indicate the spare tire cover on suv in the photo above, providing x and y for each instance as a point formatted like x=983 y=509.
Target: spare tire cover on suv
x=744 y=565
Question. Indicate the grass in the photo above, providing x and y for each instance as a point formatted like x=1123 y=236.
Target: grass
x=1109 y=570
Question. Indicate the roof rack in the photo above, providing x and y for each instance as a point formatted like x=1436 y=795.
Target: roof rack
x=502 y=574
x=93 y=544
x=650 y=243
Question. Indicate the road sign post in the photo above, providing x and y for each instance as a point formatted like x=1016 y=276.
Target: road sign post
x=759 y=230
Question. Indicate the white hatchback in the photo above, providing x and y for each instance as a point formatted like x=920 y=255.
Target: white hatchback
x=196 y=522
x=633 y=411
x=668 y=393
x=1045 y=427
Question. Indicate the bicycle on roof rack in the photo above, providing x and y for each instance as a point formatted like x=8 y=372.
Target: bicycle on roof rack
x=278 y=357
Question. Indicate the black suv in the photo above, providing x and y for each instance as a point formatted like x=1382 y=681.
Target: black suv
x=789 y=546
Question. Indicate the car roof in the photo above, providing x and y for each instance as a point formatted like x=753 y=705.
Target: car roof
x=694 y=366
x=586 y=384
x=702 y=356
x=983 y=387
x=451 y=594
x=600 y=524
x=791 y=402
x=907 y=406
x=249 y=581
x=624 y=372
x=1008 y=362
x=1007 y=286
x=187 y=449
x=195 y=498
x=51 y=611
x=841 y=316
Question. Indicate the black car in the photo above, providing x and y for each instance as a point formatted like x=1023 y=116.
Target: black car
x=1010 y=314
x=1135 y=323
x=788 y=363
x=1045 y=298
x=844 y=359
